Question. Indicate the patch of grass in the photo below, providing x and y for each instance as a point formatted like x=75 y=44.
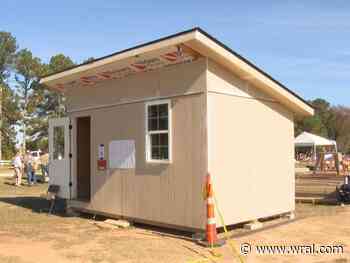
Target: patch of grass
x=24 y=213
x=7 y=187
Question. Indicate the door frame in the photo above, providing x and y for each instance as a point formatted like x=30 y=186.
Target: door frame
x=74 y=151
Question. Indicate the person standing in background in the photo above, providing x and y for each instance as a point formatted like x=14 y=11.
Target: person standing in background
x=44 y=159
x=18 y=165
x=35 y=166
x=28 y=162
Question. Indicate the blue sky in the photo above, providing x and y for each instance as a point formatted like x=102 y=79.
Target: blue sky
x=303 y=44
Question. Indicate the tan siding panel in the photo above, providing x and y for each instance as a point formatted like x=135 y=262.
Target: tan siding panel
x=175 y=80
x=250 y=148
x=250 y=157
x=165 y=193
x=222 y=80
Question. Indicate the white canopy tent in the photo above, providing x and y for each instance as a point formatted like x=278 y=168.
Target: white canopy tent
x=306 y=139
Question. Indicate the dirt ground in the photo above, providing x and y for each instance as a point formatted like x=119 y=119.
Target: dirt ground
x=4 y=171
x=28 y=234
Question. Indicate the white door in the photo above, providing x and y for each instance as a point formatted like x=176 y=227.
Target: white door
x=59 y=165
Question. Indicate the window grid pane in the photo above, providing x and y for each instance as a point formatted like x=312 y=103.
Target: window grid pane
x=164 y=152
x=158 y=117
x=158 y=120
x=163 y=110
x=155 y=153
x=152 y=124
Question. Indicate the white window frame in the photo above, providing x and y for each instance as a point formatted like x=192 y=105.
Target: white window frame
x=148 y=133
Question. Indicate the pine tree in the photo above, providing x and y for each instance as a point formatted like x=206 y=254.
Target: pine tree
x=47 y=104
x=8 y=48
x=28 y=70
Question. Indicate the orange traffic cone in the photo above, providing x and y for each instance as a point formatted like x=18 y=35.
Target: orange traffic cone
x=211 y=233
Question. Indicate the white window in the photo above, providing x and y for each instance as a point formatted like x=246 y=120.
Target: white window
x=158 y=135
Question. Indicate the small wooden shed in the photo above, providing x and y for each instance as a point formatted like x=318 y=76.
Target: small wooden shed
x=146 y=124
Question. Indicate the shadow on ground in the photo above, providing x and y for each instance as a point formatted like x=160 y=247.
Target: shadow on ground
x=36 y=204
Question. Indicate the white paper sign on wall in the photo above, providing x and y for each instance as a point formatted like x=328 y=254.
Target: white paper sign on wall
x=122 y=154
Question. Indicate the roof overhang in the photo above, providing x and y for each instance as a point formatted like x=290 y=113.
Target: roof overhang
x=179 y=48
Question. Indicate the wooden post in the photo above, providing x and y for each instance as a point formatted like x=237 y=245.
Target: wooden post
x=336 y=162
x=315 y=153
x=319 y=162
x=322 y=161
